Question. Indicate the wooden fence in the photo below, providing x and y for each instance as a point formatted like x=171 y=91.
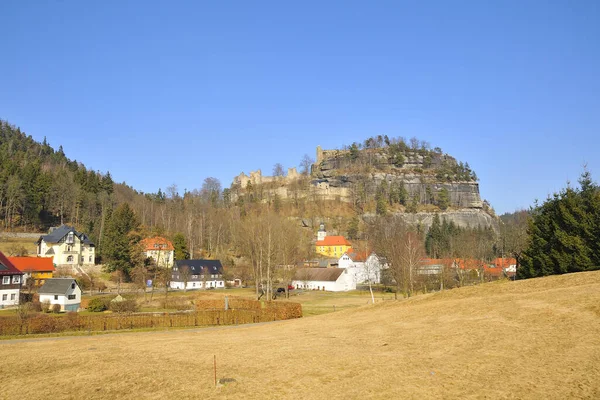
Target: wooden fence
x=73 y=322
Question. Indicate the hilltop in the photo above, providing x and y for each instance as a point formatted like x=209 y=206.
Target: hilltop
x=538 y=338
x=382 y=175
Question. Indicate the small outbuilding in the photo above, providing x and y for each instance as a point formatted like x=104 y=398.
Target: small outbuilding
x=63 y=291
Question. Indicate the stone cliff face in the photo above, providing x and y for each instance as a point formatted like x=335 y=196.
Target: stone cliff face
x=356 y=177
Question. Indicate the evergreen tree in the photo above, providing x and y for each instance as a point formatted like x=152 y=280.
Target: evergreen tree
x=116 y=247
x=180 y=245
x=563 y=233
x=444 y=199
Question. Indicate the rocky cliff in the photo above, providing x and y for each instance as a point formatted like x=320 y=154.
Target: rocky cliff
x=410 y=181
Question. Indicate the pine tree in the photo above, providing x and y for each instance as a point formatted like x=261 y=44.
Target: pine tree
x=116 y=248
x=180 y=245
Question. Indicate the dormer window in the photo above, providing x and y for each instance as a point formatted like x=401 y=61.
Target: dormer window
x=73 y=285
x=70 y=237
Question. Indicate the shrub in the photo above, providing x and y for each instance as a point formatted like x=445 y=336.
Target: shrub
x=56 y=308
x=98 y=304
x=129 y=305
x=36 y=306
x=46 y=306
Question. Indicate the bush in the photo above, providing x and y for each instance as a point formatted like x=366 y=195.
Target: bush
x=56 y=308
x=46 y=306
x=36 y=306
x=129 y=305
x=98 y=304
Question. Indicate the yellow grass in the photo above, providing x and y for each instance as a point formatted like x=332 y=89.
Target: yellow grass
x=8 y=244
x=534 y=339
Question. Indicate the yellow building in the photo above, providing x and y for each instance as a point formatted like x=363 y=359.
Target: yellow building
x=331 y=246
x=36 y=268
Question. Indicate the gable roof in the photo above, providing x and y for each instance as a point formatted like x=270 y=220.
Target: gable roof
x=357 y=256
x=157 y=243
x=7 y=267
x=57 y=234
x=56 y=286
x=33 y=264
x=333 y=241
x=197 y=267
x=318 y=274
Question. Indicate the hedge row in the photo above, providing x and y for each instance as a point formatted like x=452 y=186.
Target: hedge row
x=73 y=322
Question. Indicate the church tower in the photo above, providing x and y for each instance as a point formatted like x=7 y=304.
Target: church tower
x=322 y=233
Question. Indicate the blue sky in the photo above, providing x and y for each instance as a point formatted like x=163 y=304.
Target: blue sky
x=174 y=92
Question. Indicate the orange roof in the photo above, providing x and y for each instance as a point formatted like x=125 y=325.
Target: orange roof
x=31 y=264
x=333 y=241
x=357 y=255
x=504 y=262
x=157 y=243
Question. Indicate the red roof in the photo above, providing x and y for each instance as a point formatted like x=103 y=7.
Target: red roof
x=7 y=267
x=504 y=262
x=157 y=243
x=333 y=241
x=31 y=264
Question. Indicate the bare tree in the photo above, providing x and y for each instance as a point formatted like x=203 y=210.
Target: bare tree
x=184 y=275
x=278 y=170
x=306 y=164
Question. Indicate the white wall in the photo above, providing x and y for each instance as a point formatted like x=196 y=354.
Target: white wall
x=345 y=282
x=63 y=299
x=9 y=301
x=199 y=284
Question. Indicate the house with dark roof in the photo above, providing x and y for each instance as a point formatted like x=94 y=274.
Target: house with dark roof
x=63 y=291
x=10 y=282
x=328 y=279
x=67 y=247
x=37 y=268
x=197 y=274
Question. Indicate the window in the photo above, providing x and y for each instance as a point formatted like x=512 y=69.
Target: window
x=16 y=279
x=69 y=248
x=90 y=259
x=6 y=280
x=72 y=297
x=4 y=297
x=70 y=259
x=73 y=285
x=12 y=296
x=70 y=238
x=55 y=297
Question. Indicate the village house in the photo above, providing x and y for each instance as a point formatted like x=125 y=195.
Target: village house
x=197 y=274
x=10 y=283
x=364 y=267
x=160 y=250
x=328 y=279
x=330 y=246
x=67 y=247
x=63 y=291
x=37 y=269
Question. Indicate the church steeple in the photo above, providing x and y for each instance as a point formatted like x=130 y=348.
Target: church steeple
x=322 y=233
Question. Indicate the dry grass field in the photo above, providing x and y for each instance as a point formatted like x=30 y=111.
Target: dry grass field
x=534 y=339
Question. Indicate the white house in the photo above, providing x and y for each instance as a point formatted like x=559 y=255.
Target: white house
x=67 y=247
x=197 y=274
x=160 y=250
x=363 y=268
x=10 y=282
x=328 y=279
x=63 y=291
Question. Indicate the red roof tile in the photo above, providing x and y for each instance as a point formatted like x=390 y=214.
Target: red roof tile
x=157 y=243
x=333 y=241
x=31 y=264
x=7 y=267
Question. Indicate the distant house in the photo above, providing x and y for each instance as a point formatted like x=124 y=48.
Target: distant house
x=330 y=246
x=364 y=267
x=502 y=267
x=160 y=250
x=63 y=291
x=10 y=283
x=37 y=268
x=197 y=274
x=67 y=247
x=328 y=279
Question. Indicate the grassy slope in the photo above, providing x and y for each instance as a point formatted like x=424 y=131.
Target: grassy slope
x=529 y=339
